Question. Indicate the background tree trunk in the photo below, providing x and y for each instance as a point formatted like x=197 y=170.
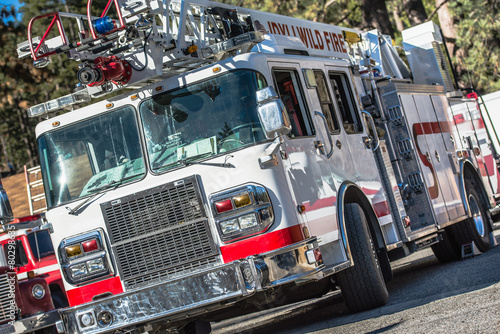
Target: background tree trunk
x=375 y=15
x=397 y=18
x=415 y=11
x=450 y=34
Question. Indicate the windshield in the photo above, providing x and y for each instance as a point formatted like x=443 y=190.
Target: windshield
x=85 y=157
x=201 y=120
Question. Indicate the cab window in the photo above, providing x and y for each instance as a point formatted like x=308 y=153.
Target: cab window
x=345 y=102
x=326 y=101
x=41 y=244
x=288 y=86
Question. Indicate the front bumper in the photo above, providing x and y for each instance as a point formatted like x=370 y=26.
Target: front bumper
x=195 y=294
x=30 y=324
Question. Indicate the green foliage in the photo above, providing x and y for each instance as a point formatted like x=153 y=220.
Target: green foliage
x=478 y=23
x=22 y=86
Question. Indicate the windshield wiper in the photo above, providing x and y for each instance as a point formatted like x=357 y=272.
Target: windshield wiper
x=99 y=190
x=189 y=161
x=192 y=161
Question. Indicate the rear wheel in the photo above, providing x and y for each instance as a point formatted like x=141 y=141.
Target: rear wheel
x=446 y=250
x=362 y=285
x=477 y=228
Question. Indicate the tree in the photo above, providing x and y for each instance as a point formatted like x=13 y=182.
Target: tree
x=477 y=25
x=17 y=133
x=415 y=10
x=375 y=15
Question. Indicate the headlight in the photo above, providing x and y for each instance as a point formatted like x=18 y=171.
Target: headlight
x=229 y=226
x=242 y=212
x=38 y=291
x=78 y=270
x=96 y=265
x=84 y=257
x=248 y=221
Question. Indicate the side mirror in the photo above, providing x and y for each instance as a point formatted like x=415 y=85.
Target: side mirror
x=272 y=113
x=6 y=215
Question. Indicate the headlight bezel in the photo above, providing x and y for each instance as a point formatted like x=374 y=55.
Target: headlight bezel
x=39 y=289
x=80 y=268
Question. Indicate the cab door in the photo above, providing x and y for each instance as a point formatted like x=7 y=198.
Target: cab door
x=352 y=141
x=306 y=153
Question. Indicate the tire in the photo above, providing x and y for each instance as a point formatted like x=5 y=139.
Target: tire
x=447 y=250
x=362 y=285
x=478 y=227
x=385 y=265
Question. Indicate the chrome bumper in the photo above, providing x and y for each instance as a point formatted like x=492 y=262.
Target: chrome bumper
x=30 y=324
x=196 y=293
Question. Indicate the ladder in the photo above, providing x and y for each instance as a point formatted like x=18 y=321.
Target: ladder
x=34 y=187
x=134 y=43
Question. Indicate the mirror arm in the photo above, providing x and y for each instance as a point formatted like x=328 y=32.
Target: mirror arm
x=274 y=146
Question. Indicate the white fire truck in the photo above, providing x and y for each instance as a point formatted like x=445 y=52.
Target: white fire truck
x=251 y=160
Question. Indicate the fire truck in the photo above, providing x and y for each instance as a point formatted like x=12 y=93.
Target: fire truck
x=31 y=287
x=239 y=160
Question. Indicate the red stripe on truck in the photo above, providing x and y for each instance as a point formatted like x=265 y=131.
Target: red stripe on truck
x=262 y=243
x=85 y=293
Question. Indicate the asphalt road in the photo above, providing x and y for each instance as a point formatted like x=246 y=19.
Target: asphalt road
x=425 y=297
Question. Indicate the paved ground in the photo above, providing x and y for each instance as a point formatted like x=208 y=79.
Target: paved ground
x=425 y=297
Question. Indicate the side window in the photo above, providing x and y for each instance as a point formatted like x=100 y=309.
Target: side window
x=346 y=103
x=20 y=258
x=326 y=101
x=41 y=244
x=288 y=85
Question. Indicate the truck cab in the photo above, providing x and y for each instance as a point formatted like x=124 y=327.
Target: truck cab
x=29 y=270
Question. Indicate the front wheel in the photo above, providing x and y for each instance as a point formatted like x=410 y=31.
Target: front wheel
x=362 y=285
x=477 y=228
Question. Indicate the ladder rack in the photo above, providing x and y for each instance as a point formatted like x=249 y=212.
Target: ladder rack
x=141 y=41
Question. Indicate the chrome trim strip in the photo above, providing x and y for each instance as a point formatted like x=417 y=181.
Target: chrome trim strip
x=30 y=324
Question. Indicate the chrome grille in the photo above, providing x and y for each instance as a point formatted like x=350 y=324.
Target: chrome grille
x=7 y=298
x=160 y=233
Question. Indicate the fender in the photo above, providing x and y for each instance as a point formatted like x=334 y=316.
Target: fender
x=466 y=166
x=349 y=192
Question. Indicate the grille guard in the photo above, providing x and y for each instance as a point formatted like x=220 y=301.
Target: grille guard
x=196 y=293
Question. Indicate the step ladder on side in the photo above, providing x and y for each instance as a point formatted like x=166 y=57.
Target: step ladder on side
x=34 y=187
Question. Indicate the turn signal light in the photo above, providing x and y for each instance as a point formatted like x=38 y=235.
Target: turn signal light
x=242 y=200
x=73 y=250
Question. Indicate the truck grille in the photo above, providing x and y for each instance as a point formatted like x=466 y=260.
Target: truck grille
x=7 y=298
x=160 y=233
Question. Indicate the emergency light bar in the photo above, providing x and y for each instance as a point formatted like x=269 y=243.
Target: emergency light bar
x=53 y=105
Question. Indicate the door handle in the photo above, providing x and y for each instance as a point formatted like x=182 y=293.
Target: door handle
x=374 y=129
x=329 y=154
